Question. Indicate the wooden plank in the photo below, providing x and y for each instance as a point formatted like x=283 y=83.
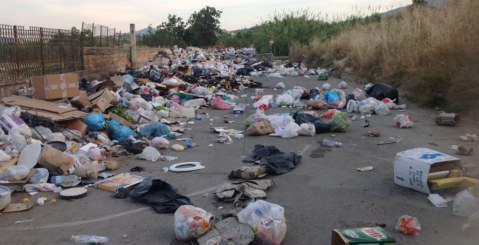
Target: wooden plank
x=37 y=104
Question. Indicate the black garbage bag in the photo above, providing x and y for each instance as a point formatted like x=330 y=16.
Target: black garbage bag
x=313 y=93
x=244 y=71
x=320 y=125
x=381 y=91
x=275 y=161
x=161 y=196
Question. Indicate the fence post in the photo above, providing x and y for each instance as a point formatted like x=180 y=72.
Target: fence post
x=82 y=36
x=42 y=58
x=17 y=51
x=93 y=34
x=60 y=44
x=133 y=46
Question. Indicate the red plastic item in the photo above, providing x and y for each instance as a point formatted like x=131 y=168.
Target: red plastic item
x=408 y=225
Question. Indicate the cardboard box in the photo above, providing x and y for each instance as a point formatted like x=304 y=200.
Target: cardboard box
x=365 y=235
x=103 y=101
x=55 y=86
x=412 y=167
x=55 y=161
x=81 y=100
x=77 y=124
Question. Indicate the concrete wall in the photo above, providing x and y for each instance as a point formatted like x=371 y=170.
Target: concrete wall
x=102 y=62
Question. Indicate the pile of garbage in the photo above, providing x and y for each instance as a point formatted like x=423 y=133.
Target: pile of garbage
x=56 y=139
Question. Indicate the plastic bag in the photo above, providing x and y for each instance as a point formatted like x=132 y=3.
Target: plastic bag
x=284 y=100
x=290 y=131
x=191 y=222
x=408 y=225
x=259 y=114
x=267 y=221
x=340 y=122
x=331 y=97
x=220 y=104
x=352 y=106
x=261 y=127
x=171 y=82
x=280 y=120
x=280 y=85
x=358 y=94
x=382 y=109
x=155 y=129
x=403 y=121
x=368 y=105
x=15 y=172
x=95 y=122
x=307 y=129
x=150 y=154
x=319 y=124
x=472 y=225
x=330 y=113
x=465 y=203
x=118 y=131
x=160 y=143
x=381 y=91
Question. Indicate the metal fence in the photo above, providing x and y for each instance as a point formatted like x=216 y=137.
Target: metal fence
x=37 y=50
x=100 y=36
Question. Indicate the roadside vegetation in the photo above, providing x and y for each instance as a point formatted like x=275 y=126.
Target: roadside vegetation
x=431 y=53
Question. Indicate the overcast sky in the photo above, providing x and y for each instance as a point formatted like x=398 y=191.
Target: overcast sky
x=119 y=14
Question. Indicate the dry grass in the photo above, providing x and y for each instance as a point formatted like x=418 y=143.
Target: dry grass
x=433 y=52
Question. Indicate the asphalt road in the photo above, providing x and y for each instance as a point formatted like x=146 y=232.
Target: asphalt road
x=324 y=191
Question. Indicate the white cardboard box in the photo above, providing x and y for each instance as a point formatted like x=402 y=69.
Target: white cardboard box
x=412 y=167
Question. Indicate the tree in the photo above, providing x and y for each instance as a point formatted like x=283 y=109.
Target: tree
x=419 y=2
x=204 y=25
x=176 y=28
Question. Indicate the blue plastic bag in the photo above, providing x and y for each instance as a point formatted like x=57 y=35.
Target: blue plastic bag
x=118 y=131
x=94 y=121
x=331 y=97
x=155 y=129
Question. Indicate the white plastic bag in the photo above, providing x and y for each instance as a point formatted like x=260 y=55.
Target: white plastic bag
x=267 y=221
x=290 y=131
x=191 y=222
x=368 y=105
x=160 y=143
x=280 y=120
x=382 y=109
x=307 y=129
x=284 y=100
x=15 y=172
x=465 y=203
x=150 y=154
x=403 y=121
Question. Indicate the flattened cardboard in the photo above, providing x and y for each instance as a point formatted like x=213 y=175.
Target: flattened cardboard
x=124 y=180
x=55 y=86
x=118 y=81
x=365 y=235
x=119 y=119
x=412 y=167
x=26 y=102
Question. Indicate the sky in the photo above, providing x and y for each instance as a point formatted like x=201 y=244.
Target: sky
x=118 y=14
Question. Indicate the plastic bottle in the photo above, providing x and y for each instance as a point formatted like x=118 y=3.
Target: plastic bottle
x=331 y=143
x=66 y=181
x=88 y=239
